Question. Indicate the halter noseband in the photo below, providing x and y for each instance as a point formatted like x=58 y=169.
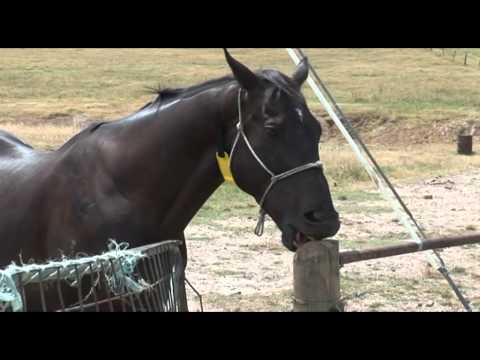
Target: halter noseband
x=274 y=179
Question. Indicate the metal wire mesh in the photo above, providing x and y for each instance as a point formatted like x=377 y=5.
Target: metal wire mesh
x=95 y=288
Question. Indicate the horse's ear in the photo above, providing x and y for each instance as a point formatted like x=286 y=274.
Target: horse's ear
x=247 y=79
x=301 y=73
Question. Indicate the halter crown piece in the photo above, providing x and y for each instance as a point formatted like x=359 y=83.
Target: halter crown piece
x=224 y=164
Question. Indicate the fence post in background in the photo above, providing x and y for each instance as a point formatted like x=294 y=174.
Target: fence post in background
x=316 y=274
x=454 y=55
x=465 y=144
x=466 y=58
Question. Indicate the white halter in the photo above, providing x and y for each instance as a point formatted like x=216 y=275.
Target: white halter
x=274 y=179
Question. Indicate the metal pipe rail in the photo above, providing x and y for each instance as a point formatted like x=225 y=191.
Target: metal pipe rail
x=348 y=257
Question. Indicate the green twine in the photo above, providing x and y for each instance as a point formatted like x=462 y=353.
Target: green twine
x=120 y=280
x=8 y=291
x=120 y=266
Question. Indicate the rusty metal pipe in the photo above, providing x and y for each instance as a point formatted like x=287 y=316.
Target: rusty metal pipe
x=349 y=257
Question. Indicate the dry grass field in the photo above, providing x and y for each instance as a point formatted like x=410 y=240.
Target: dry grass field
x=408 y=104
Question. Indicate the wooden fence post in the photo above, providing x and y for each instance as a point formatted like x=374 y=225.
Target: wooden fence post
x=466 y=58
x=316 y=275
x=465 y=144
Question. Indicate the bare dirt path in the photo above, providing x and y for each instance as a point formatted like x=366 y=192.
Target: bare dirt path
x=236 y=271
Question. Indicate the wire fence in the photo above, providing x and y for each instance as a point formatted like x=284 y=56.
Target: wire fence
x=459 y=56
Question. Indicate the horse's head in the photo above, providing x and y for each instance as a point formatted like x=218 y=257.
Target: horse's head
x=279 y=136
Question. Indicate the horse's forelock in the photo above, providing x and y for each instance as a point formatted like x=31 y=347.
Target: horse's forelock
x=282 y=82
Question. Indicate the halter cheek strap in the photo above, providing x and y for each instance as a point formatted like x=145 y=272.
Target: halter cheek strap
x=224 y=164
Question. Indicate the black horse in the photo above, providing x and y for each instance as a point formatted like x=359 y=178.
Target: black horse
x=143 y=178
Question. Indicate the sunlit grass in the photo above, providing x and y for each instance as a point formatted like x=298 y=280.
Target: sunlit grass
x=400 y=163
x=108 y=83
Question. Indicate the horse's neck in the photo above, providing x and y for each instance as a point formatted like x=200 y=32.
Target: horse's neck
x=177 y=149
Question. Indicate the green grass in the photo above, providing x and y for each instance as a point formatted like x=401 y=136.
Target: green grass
x=360 y=288
x=107 y=83
x=401 y=163
x=355 y=196
x=375 y=240
x=226 y=202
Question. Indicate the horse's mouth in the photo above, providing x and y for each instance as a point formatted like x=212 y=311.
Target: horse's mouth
x=300 y=239
x=293 y=239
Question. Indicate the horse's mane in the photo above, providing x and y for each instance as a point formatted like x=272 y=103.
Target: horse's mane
x=166 y=94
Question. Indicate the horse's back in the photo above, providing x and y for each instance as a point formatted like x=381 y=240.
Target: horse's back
x=18 y=163
x=11 y=146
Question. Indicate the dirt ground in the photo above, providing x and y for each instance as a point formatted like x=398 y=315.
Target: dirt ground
x=241 y=272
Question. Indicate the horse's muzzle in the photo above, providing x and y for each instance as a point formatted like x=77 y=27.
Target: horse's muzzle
x=319 y=228
x=324 y=226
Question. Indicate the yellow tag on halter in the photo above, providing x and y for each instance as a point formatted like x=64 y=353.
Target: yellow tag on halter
x=224 y=166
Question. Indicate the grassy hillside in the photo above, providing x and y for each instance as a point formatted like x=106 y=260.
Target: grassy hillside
x=107 y=83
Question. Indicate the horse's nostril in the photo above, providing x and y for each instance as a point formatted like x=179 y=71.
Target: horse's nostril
x=320 y=216
x=314 y=216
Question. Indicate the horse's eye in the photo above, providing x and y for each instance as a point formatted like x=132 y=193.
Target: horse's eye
x=270 y=113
